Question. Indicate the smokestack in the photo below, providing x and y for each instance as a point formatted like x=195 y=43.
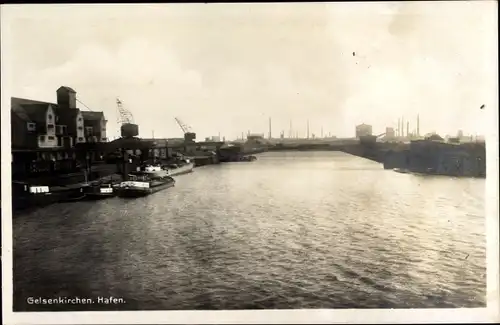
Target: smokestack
x=321 y=131
x=270 y=132
x=407 y=128
x=398 y=130
x=308 y=129
x=418 y=125
x=290 y=134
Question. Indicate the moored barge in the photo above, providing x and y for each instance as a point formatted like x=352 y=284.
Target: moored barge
x=142 y=184
x=102 y=189
x=27 y=196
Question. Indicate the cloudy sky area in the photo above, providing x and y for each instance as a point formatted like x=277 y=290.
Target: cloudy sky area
x=228 y=68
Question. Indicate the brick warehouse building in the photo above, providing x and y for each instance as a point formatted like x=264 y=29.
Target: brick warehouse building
x=44 y=135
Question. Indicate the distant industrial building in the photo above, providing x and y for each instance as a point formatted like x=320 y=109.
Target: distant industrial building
x=390 y=133
x=363 y=130
x=255 y=137
x=213 y=139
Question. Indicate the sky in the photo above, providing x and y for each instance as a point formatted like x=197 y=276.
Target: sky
x=227 y=68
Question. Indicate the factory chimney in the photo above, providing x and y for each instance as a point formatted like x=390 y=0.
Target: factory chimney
x=418 y=125
x=407 y=128
x=308 y=129
x=290 y=134
x=270 y=133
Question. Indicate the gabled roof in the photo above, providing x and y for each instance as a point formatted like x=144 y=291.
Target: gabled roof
x=21 y=113
x=92 y=116
x=16 y=101
x=17 y=107
x=36 y=112
x=69 y=89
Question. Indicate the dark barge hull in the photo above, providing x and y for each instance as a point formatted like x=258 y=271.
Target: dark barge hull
x=28 y=201
x=238 y=159
x=139 y=192
x=94 y=192
x=98 y=196
x=71 y=194
x=173 y=173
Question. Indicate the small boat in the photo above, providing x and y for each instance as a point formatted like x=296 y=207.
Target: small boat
x=184 y=166
x=152 y=171
x=181 y=167
x=143 y=184
x=401 y=170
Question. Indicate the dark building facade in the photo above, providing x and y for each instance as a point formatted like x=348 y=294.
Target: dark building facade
x=95 y=126
x=44 y=134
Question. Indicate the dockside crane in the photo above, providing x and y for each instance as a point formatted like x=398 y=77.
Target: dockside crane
x=189 y=135
x=126 y=121
x=124 y=115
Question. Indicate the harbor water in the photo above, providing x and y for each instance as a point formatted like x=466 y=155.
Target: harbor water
x=290 y=230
